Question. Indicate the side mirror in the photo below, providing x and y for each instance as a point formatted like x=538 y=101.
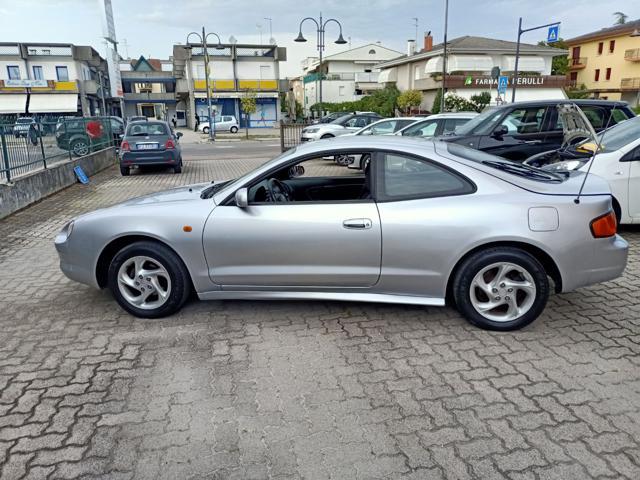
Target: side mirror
x=242 y=198
x=500 y=131
x=179 y=134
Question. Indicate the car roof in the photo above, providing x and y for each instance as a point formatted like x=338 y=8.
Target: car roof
x=451 y=115
x=585 y=101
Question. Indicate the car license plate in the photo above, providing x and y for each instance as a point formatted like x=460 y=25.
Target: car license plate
x=147 y=146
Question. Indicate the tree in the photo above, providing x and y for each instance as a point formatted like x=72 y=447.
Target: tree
x=476 y=103
x=559 y=64
x=408 y=99
x=577 y=92
x=436 y=102
x=249 y=106
x=481 y=101
x=621 y=18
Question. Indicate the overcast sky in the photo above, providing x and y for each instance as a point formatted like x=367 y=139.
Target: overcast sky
x=152 y=27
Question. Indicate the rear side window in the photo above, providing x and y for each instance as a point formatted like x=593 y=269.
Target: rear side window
x=404 y=177
x=450 y=124
x=424 y=129
x=617 y=116
x=524 y=120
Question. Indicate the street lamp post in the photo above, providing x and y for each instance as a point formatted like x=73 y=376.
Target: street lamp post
x=205 y=50
x=520 y=32
x=444 y=55
x=320 y=30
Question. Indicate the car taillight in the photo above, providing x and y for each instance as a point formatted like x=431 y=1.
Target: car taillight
x=604 y=226
x=124 y=146
x=169 y=145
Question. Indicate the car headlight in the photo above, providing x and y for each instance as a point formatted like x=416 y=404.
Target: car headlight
x=566 y=165
x=65 y=233
x=310 y=130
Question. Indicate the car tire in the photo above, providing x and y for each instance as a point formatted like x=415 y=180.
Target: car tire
x=171 y=279
x=178 y=168
x=80 y=147
x=125 y=171
x=492 y=276
x=205 y=130
x=233 y=129
x=364 y=161
x=327 y=135
x=343 y=160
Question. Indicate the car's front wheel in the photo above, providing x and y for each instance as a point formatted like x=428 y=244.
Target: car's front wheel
x=80 y=147
x=502 y=288
x=234 y=129
x=149 y=280
x=205 y=130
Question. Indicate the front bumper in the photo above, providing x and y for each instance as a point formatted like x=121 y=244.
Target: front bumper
x=309 y=137
x=73 y=262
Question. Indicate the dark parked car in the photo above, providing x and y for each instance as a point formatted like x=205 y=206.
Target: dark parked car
x=82 y=135
x=519 y=130
x=150 y=142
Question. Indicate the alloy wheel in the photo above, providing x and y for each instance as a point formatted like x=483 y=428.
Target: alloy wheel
x=502 y=292
x=144 y=282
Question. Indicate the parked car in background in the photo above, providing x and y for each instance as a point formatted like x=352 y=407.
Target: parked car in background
x=613 y=154
x=24 y=126
x=223 y=123
x=519 y=130
x=136 y=118
x=349 y=123
x=437 y=124
x=328 y=118
x=386 y=126
x=151 y=142
x=419 y=227
x=82 y=135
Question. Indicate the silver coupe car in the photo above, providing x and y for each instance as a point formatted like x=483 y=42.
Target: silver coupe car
x=426 y=223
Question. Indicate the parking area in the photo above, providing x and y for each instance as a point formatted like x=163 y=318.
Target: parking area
x=315 y=390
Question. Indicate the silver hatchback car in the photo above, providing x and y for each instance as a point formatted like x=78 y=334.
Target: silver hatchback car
x=428 y=222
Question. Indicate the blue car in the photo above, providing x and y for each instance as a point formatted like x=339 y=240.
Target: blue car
x=150 y=143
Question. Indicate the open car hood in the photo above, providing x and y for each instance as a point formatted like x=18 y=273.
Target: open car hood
x=575 y=125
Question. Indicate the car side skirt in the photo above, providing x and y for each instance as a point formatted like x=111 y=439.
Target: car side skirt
x=338 y=296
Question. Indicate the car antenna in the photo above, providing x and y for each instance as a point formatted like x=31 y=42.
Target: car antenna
x=593 y=156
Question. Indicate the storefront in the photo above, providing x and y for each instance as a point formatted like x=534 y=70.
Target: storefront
x=528 y=87
x=265 y=116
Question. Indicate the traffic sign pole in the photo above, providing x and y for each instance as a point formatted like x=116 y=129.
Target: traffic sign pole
x=554 y=27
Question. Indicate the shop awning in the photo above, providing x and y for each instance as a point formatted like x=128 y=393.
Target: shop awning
x=53 y=102
x=433 y=65
x=525 y=64
x=13 y=102
x=388 y=75
x=460 y=63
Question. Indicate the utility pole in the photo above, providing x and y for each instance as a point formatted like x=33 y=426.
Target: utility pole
x=415 y=24
x=270 y=20
x=104 y=106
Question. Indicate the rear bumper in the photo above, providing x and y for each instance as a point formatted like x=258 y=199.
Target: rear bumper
x=608 y=262
x=150 y=157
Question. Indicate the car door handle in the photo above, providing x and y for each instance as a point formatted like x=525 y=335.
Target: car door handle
x=357 y=223
x=532 y=142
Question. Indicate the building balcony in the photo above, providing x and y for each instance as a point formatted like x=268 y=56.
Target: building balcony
x=150 y=97
x=632 y=55
x=367 y=77
x=630 y=83
x=577 y=63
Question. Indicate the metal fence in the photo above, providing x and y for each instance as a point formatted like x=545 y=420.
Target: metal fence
x=27 y=144
x=290 y=134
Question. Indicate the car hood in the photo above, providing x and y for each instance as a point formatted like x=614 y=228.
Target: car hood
x=179 y=194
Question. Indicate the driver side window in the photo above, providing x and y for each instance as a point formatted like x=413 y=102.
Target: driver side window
x=318 y=179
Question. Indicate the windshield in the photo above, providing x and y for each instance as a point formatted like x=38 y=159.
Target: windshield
x=147 y=128
x=487 y=117
x=617 y=136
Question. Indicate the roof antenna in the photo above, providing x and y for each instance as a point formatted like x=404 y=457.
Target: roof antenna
x=593 y=156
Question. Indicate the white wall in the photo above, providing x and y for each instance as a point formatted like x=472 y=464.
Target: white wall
x=219 y=69
x=333 y=91
x=4 y=74
x=49 y=68
x=252 y=70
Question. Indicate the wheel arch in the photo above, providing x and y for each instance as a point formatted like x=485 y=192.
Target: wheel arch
x=617 y=208
x=547 y=262
x=117 y=244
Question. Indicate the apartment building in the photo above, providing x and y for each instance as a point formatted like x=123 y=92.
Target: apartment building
x=346 y=76
x=50 y=79
x=607 y=62
x=469 y=64
x=149 y=88
x=234 y=70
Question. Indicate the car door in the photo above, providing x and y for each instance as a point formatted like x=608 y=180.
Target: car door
x=523 y=134
x=303 y=244
x=634 y=184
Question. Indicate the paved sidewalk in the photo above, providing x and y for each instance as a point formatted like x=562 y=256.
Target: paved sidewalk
x=288 y=390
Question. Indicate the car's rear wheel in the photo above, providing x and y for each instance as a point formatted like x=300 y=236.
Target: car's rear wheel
x=124 y=171
x=148 y=280
x=501 y=288
x=178 y=168
x=233 y=129
x=327 y=135
x=205 y=130
x=80 y=147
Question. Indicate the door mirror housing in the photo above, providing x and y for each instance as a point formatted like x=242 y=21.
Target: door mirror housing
x=179 y=135
x=500 y=131
x=242 y=198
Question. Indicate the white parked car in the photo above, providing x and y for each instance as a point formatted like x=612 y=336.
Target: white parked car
x=437 y=124
x=616 y=159
x=224 y=123
x=349 y=123
x=386 y=126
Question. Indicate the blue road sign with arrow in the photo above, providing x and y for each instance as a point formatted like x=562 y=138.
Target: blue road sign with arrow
x=502 y=84
x=553 y=34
